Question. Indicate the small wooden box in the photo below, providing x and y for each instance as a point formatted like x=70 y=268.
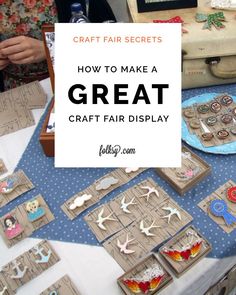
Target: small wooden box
x=177 y=243
x=46 y=138
x=138 y=270
x=169 y=174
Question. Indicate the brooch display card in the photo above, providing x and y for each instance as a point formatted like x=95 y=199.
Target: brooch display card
x=103 y=222
x=63 y=286
x=150 y=230
x=220 y=206
x=132 y=203
x=14 y=120
x=99 y=189
x=16 y=105
x=3 y=168
x=149 y=276
x=37 y=212
x=185 y=250
x=5 y=288
x=214 y=122
x=125 y=249
x=14 y=227
x=13 y=186
x=29 y=265
x=192 y=171
x=24 y=220
x=173 y=217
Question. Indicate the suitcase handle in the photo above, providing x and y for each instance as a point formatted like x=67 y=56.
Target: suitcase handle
x=216 y=71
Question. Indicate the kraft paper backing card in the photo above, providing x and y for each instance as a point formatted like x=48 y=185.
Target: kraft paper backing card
x=16 y=105
x=119 y=174
x=128 y=224
x=27 y=263
x=23 y=185
x=220 y=193
x=63 y=286
x=21 y=217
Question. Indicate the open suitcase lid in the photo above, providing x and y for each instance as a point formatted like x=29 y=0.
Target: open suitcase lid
x=197 y=43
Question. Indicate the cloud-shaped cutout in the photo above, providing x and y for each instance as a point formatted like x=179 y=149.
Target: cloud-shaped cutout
x=129 y=170
x=79 y=201
x=106 y=183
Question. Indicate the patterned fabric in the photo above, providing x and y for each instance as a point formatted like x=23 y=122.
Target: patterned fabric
x=58 y=184
x=24 y=17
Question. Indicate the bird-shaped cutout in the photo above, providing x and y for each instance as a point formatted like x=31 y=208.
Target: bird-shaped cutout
x=124 y=206
x=3 y=290
x=151 y=190
x=102 y=219
x=146 y=230
x=173 y=211
x=123 y=247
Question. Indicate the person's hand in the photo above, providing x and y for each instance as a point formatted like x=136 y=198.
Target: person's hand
x=4 y=61
x=22 y=50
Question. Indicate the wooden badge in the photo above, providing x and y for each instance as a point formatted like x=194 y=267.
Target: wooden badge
x=62 y=286
x=185 y=250
x=220 y=207
x=193 y=170
x=149 y=276
x=14 y=186
x=29 y=265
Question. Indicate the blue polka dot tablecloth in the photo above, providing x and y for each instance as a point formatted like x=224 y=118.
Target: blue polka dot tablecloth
x=57 y=185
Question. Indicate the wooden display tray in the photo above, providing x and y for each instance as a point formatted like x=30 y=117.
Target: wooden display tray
x=177 y=242
x=47 y=139
x=182 y=187
x=139 y=269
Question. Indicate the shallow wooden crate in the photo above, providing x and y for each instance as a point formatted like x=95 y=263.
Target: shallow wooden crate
x=183 y=187
x=139 y=268
x=47 y=139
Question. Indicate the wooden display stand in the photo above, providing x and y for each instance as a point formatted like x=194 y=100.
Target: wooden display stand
x=47 y=139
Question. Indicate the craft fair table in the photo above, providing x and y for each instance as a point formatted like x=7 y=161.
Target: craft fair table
x=90 y=267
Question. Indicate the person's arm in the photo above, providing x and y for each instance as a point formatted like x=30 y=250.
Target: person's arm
x=3 y=61
x=22 y=50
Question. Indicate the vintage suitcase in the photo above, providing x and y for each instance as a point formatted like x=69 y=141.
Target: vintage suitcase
x=209 y=56
x=226 y=285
